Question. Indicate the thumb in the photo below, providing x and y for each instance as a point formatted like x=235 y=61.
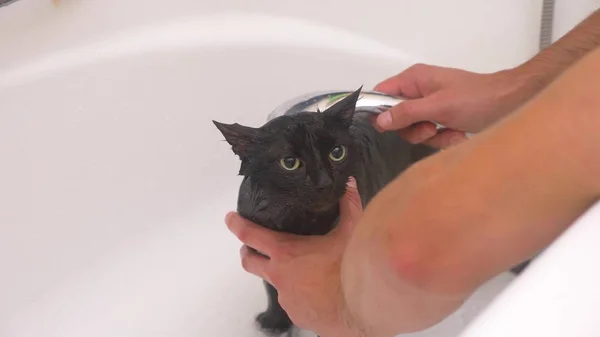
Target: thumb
x=414 y=82
x=409 y=112
x=350 y=206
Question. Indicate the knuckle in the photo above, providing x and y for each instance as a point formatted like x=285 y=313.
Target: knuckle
x=419 y=67
x=282 y=250
x=407 y=108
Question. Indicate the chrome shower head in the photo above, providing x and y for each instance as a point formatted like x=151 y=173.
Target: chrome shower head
x=369 y=101
x=6 y=2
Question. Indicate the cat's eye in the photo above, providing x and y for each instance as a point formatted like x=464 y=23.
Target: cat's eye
x=290 y=163
x=338 y=153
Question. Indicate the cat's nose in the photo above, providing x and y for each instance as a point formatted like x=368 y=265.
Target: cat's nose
x=323 y=188
x=323 y=182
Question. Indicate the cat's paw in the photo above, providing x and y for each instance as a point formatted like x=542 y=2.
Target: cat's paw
x=273 y=323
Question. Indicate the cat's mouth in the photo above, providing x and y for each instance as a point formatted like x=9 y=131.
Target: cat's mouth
x=324 y=203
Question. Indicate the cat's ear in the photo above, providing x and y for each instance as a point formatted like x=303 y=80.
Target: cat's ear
x=240 y=137
x=342 y=112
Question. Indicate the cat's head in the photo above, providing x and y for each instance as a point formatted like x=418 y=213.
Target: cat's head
x=302 y=160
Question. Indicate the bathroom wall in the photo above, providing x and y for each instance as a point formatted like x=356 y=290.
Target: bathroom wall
x=472 y=34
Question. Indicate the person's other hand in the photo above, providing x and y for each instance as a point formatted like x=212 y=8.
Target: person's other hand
x=305 y=270
x=460 y=100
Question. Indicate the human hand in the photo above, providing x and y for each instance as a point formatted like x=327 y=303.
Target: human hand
x=305 y=270
x=460 y=100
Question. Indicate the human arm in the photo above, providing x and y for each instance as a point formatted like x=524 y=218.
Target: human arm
x=452 y=221
x=467 y=101
x=458 y=218
x=570 y=48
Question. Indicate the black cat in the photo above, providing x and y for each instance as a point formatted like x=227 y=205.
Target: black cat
x=295 y=170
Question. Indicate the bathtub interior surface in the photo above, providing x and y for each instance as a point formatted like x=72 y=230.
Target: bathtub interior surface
x=115 y=181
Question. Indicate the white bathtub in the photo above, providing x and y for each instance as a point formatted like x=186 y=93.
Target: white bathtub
x=114 y=182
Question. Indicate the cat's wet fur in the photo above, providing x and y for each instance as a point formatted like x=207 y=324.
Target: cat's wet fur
x=305 y=200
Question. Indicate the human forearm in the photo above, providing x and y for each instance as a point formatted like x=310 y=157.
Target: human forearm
x=529 y=78
x=416 y=255
x=554 y=161
x=540 y=170
x=549 y=63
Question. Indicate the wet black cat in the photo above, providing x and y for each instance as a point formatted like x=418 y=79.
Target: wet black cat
x=296 y=167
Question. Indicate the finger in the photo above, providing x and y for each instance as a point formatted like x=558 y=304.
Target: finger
x=402 y=84
x=373 y=120
x=408 y=83
x=446 y=138
x=418 y=133
x=410 y=112
x=254 y=263
x=350 y=206
x=253 y=235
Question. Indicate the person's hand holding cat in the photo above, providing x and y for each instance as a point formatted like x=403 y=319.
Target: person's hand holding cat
x=460 y=100
x=304 y=269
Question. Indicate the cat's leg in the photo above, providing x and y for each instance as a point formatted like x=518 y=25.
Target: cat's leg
x=274 y=319
x=519 y=268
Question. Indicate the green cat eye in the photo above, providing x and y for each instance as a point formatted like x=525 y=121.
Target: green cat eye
x=289 y=163
x=338 y=153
